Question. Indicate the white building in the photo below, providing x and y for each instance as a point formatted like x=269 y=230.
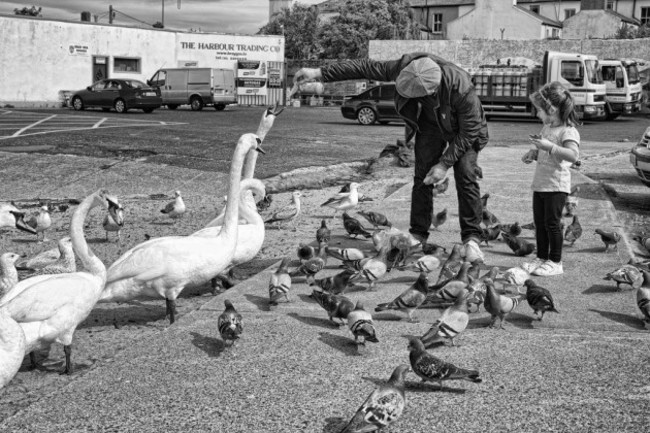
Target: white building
x=42 y=57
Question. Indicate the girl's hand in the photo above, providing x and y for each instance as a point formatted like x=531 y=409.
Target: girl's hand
x=530 y=156
x=541 y=143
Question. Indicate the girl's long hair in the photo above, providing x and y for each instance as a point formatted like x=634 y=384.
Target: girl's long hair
x=554 y=96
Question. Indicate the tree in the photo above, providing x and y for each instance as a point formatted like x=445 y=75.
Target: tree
x=32 y=12
x=299 y=25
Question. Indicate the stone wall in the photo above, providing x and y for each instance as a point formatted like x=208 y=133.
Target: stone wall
x=476 y=52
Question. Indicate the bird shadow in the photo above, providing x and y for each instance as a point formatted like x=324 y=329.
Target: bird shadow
x=593 y=250
x=411 y=386
x=402 y=279
x=24 y=241
x=344 y=345
x=260 y=302
x=600 y=288
x=517 y=320
x=314 y=321
x=213 y=347
x=389 y=317
x=624 y=319
x=161 y=223
x=306 y=298
x=334 y=424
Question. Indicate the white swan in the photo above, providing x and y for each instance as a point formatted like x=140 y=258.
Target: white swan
x=114 y=225
x=163 y=267
x=10 y=216
x=49 y=308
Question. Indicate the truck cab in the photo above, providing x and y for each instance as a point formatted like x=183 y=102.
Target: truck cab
x=579 y=73
x=623 y=84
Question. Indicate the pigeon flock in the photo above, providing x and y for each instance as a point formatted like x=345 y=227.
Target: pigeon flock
x=53 y=293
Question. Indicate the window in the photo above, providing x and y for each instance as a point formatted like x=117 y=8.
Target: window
x=99 y=85
x=573 y=72
x=568 y=13
x=534 y=8
x=610 y=4
x=437 y=23
x=645 y=15
x=121 y=64
x=593 y=73
x=374 y=93
x=388 y=93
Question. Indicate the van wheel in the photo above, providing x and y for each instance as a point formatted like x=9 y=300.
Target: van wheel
x=120 y=106
x=77 y=104
x=219 y=107
x=196 y=103
x=366 y=116
x=172 y=106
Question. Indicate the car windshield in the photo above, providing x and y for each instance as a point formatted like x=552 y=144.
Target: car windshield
x=136 y=84
x=632 y=74
x=593 y=73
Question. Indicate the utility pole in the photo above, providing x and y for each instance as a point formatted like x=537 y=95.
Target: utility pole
x=163 y=14
x=110 y=14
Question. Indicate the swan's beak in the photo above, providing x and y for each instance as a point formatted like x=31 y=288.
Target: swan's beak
x=119 y=213
x=112 y=210
x=20 y=222
x=259 y=146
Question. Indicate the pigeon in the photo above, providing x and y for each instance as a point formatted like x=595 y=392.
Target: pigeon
x=609 y=238
x=264 y=203
x=426 y=264
x=626 y=275
x=520 y=247
x=488 y=218
x=410 y=299
x=372 y=269
x=498 y=305
x=529 y=226
x=570 y=206
x=382 y=407
x=432 y=249
x=9 y=275
x=287 y=215
x=280 y=283
x=336 y=306
x=512 y=229
x=230 y=323
x=441 y=187
x=477 y=288
x=323 y=234
x=344 y=200
x=643 y=298
x=311 y=267
x=346 y=254
x=40 y=222
x=474 y=271
x=490 y=234
x=66 y=262
x=451 y=322
x=484 y=200
x=539 y=299
x=376 y=219
x=451 y=289
x=402 y=247
x=335 y=284
x=305 y=252
x=439 y=219
x=573 y=231
x=114 y=225
x=516 y=276
x=644 y=241
x=452 y=265
x=361 y=325
x=175 y=209
x=433 y=369
x=354 y=227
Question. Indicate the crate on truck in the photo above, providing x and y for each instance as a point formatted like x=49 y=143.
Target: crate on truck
x=504 y=88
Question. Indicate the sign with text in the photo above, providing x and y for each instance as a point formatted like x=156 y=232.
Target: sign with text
x=78 y=50
x=251 y=77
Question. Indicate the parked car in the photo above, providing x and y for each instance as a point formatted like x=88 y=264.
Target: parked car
x=119 y=94
x=640 y=157
x=374 y=105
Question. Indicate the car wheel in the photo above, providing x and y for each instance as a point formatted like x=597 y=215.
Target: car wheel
x=219 y=107
x=196 y=103
x=120 y=106
x=366 y=116
x=148 y=110
x=77 y=104
x=172 y=106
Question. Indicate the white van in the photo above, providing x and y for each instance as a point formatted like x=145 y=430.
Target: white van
x=195 y=86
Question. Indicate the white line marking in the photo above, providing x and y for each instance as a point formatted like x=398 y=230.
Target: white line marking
x=5 y=112
x=102 y=120
x=83 y=129
x=20 y=131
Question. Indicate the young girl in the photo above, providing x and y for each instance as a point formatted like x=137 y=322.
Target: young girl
x=556 y=148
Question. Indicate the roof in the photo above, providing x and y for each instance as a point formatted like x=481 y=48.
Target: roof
x=440 y=3
x=543 y=19
x=623 y=18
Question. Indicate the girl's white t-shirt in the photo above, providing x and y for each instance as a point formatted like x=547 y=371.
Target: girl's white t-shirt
x=552 y=174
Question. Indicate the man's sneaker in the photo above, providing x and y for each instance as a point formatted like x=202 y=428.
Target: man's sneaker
x=531 y=266
x=473 y=253
x=417 y=239
x=549 y=268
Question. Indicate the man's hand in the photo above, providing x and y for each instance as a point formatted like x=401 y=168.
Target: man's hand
x=437 y=173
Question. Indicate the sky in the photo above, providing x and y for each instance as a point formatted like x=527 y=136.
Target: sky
x=222 y=16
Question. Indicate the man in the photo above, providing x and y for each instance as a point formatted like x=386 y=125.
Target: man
x=437 y=101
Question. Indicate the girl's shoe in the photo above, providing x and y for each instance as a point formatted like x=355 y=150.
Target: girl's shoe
x=549 y=268
x=531 y=266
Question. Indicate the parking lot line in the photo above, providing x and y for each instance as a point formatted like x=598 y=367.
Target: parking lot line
x=96 y=125
x=20 y=131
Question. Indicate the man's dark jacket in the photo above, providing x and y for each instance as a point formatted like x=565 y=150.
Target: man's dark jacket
x=459 y=113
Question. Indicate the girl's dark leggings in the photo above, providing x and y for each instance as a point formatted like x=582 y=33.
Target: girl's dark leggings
x=547 y=214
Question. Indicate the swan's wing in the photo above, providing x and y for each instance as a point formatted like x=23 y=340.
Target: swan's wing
x=141 y=261
x=21 y=286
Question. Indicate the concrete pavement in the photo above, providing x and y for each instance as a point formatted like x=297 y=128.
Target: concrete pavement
x=584 y=370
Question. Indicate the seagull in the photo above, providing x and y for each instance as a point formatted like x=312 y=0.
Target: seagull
x=9 y=276
x=344 y=201
x=40 y=222
x=287 y=215
x=64 y=264
x=175 y=209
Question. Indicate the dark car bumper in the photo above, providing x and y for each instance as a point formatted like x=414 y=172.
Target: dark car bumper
x=147 y=102
x=349 y=112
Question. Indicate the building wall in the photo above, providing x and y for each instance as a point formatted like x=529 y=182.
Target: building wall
x=41 y=58
x=488 y=17
x=448 y=14
x=590 y=24
x=469 y=53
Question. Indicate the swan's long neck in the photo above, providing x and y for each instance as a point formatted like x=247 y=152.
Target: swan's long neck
x=89 y=260
x=249 y=164
x=231 y=216
x=247 y=208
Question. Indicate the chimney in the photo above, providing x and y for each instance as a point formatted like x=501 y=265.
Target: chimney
x=592 y=5
x=85 y=16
